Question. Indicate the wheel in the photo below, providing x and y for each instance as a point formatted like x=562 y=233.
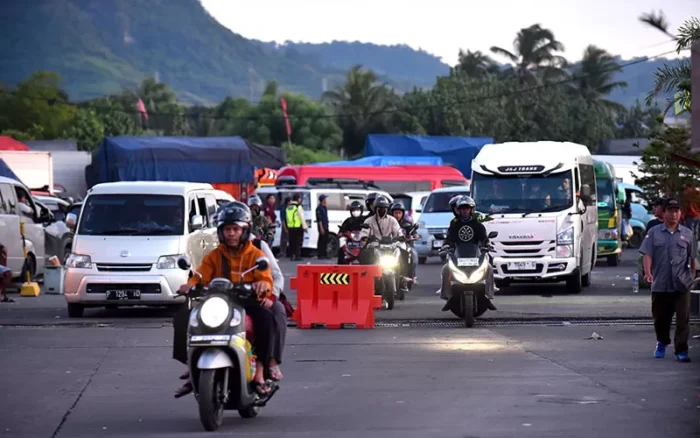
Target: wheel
x=468 y=309
x=612 y=260
x=422 y=260
x=389 y=292
x=31 y=264
x=400 y=291
x=574 y=282
x=635 y=240
x=211 y=408
x=332 y=245
x=502 y=283
x=75 y=310
x=249 y=412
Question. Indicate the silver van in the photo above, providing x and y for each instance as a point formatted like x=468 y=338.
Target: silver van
x=128 y=239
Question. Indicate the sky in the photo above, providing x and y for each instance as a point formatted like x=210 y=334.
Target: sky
x=443 y=27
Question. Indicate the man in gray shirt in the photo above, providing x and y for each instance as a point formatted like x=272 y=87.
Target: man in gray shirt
x=669 y=265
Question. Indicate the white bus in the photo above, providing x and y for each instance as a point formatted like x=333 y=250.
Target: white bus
x=541 y=197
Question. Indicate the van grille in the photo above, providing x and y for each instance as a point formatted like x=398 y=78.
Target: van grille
x=531 y=249
x=120 y=267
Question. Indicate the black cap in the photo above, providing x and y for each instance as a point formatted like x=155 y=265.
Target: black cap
x=322 y=197
x=672 y=203
x=659 y=201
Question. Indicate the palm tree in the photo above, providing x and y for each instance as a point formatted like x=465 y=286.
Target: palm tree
x=535 y=53
x=476 y=64
x=360 y=105
x=594 y=78
x=670 y=78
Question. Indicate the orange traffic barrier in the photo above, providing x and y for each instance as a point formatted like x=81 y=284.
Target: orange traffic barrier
x=334 y=295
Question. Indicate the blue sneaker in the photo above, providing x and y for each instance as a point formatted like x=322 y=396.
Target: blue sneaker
x=683 y=357
x=660 y=351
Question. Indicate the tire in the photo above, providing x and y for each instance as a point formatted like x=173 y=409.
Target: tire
x=612 y=260
x=75 y=310
x=249 y=412
x=468 y=309
x=574 y=284
x=400 y=292
x=211 y=410
x=389 y=292
x=333 y=245
x=422 y=260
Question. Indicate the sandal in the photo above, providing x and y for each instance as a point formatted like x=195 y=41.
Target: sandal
x=261 y=388
x=184 y=390
x=185 y=376
x=7 y=300
x=275 y=374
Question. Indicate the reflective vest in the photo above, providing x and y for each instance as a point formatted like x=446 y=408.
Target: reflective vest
x=293 y=220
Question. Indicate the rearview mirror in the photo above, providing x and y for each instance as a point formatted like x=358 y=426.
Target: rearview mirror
x=197 y=222
x=262 y=264
x=585 y=193
x=71 y=221
x=184 y=263
x=493 y=234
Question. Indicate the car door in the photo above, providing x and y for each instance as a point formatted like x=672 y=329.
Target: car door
x=195 y=242
x=9 y=229
x=33 y=230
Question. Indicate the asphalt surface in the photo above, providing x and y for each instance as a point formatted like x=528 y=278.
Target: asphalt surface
x=609 y=297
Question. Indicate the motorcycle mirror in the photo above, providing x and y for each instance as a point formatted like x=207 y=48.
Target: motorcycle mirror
x=184 y=263
x=493 y=234
x=262 y=264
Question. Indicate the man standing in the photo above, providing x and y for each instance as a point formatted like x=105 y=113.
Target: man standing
x=669 y=254
x=658 y=207
x=322 y=221
x=296 y=225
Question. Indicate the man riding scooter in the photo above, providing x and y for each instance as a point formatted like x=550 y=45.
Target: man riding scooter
x=351 y=224
x=381 y=225
x=465 y=209
x=399 y=213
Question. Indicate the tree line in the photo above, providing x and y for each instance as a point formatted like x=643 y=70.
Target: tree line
x=538 y=96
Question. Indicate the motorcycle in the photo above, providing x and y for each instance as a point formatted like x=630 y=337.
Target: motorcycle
x=219 y=351
x=469 y=267
x=352 y=247
x=388 y=252
x=406 y=281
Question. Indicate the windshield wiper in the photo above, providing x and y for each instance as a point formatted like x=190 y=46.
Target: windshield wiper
x=120 y=232
x=546 y=210
x=152 y=232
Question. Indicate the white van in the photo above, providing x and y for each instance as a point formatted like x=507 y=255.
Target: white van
x=10 y=236
x=128 y=239
x=340 y=195
x=542 y=198
x=435 y=220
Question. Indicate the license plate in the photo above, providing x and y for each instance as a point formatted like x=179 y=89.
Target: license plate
x=521 y=266
x=468 y=262
x=437 y=243
x=124 y=294
x=196 y=340
x=353 y=244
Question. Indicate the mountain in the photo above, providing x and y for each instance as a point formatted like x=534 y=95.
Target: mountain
x=102 y=46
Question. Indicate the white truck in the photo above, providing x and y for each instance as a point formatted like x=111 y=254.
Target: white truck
x=541 y=197
x=34 y=169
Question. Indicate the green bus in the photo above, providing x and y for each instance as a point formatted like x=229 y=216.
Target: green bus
x=610 y=202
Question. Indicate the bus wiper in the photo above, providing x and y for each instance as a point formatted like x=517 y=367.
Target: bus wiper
x=546 y=210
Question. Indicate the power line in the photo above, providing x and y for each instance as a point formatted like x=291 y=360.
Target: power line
x=199 y=114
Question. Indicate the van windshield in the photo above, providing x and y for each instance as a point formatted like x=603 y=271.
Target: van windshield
x=522 y=193
x=133 y=215
x=439 y=202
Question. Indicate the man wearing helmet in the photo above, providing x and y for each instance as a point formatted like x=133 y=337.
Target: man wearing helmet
x=236 y=253
x=465 y=228
x=381 y=224
x=399 y=212
x=369 y=203
x=260 y=223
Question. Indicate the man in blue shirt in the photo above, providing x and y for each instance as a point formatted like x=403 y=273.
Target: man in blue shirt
x=322 y=221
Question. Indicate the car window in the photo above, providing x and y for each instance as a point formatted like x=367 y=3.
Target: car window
x=7 y=199
x=439 y=202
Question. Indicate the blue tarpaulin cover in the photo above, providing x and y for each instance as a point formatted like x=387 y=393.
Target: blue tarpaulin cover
x=387 y=161
x=7 y=172
x=455 y=151
x=193 y=159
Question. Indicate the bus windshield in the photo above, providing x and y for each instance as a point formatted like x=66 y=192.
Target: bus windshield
x=523 y=193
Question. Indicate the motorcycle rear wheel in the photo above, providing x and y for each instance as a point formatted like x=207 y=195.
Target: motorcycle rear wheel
x=211 y=407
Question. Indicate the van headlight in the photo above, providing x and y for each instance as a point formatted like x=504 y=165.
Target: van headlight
x=478 y=275
x=214 y=312
x=566 y=237
x=607 y=234
x=79 y=261
x=388 y=261
x=168 y=262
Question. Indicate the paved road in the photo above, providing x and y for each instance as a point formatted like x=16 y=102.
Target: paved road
x=534 y=382
x=610 y=296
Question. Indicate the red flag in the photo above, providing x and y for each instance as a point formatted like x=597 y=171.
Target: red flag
x=142 y=109
x=286 y=116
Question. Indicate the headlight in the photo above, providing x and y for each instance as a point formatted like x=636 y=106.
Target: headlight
x=475 y=276
x=168 y=262
x=607 y=234
x=236 y=318
x=566 y=237
x=79 y=261
x=214 y=311
x=388 y=261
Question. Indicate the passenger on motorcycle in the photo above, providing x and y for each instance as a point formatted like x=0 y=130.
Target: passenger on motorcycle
x=369 y=203
x=465 y=228
x=261 y=224
x=399 y=213
x=353 y=223
x=238 y=252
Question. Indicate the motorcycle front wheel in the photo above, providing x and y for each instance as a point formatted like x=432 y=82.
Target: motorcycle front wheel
x=211 y=406
x=389 y=291
x=468 y=309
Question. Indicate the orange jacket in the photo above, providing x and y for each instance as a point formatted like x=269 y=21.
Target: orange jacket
x=240 y=262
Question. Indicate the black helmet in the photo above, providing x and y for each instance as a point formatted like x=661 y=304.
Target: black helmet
x=381 y=205
x=397 y=206
x=356 y=205
x=234 y=213
x=369 y=200
x=453 y=204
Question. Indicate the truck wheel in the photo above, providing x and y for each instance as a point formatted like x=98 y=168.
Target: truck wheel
x=612 y=260
x=574 y=282
x=422 y=260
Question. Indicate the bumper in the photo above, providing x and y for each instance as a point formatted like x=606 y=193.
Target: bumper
x=608 y=247
x=157 y=288
x=538 y=269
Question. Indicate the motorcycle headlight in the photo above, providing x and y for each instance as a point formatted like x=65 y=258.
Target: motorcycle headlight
x=475 y=277
x=388 y=261
x=235 y=318
x=214 y=312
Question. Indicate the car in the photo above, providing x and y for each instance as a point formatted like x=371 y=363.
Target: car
x=435 y=220
x=413 y=202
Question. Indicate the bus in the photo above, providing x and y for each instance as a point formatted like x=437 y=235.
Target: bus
x=610 y=202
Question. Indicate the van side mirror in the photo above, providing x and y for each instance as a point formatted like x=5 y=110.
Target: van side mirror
x=197 y=222
x=585 y=193
x=493 y=234
x=184 y=263
x=71 y=221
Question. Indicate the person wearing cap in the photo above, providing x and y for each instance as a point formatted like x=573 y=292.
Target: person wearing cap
x=322 y=221
x=658 y=207
x=669 y=265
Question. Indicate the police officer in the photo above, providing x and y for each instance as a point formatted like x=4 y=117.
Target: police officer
x=322 y=223
x=296 y=226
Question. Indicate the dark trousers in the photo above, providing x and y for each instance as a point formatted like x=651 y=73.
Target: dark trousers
x=663 y=306
x=284 y=238
x=280 y=315
x=322 y=246
x=296 y=241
